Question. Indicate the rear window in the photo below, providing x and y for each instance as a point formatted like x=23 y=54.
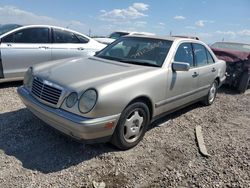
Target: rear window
x=61 y=36
x=200 y=55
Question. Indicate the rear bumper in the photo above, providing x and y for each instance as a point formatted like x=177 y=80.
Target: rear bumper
x=222 y=80
x=78 y=127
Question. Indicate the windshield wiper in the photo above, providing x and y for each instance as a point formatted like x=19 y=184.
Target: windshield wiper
x=138 y=62
x=130 y=61
x=108 y=57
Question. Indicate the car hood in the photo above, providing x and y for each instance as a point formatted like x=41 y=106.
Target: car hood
x=105 y=40
x=231 y=56
x=82 y=73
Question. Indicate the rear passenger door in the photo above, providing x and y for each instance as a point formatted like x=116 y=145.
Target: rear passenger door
x=24 y=48
x=206 y=68
x=67 y=44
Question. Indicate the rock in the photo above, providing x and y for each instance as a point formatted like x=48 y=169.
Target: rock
x=98 y=185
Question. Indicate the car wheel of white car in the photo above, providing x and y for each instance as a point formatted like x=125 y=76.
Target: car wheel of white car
x=211 y=94
x=131 y=126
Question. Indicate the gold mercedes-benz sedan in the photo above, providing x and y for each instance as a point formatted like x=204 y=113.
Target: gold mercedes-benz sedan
x=114 y=95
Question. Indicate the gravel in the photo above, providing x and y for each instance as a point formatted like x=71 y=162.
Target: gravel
x=34 y=155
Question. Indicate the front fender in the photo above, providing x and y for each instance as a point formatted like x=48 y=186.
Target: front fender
x=114 y=97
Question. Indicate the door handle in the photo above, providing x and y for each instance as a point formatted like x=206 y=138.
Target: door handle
x=44 y=47
x=9 y=45
x=213 y=69
x=195 y=74
x=80 y=48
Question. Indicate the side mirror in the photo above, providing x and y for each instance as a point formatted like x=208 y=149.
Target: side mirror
x=180 y=66
x=96 y=53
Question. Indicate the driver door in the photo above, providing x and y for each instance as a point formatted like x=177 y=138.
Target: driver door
x=182 y=84
x=24 y=48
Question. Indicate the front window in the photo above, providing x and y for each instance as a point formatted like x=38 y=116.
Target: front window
x=137 y=50
x=29 y=35
x=184 y=54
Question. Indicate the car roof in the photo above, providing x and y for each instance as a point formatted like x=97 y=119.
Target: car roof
x=231 y=43
x=133 y=32
x=51 y=26
x=170 y=38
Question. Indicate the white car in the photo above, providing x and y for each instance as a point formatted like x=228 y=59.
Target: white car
x=117 y=34
x=28 y=45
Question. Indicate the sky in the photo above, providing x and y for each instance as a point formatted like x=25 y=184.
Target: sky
x=211 y=20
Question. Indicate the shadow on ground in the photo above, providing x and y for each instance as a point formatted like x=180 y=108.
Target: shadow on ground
x=40 y=147
x=10 y=84
x=44 y=149
x=229 y=90
x=174 y=115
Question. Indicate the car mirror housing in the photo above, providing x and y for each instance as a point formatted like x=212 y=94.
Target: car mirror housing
x=96 y=53
x=180 y=66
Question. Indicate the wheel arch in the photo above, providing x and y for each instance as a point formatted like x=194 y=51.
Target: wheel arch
x=218 y=81
x=147 y=101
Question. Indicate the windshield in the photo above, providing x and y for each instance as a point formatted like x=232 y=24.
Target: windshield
x=137 y=50
x=8 y=27
x=117 y=35
x=232 y=46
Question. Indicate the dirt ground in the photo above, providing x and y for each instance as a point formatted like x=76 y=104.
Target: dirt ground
x=34 y=155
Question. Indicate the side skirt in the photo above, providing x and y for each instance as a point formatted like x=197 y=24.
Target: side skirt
x=176 y=109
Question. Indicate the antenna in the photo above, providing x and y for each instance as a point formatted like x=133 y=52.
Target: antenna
x=89 y=32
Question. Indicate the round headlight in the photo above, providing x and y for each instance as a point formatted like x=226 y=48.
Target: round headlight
x=28 y=77
x=87 y=101
x=71 y=99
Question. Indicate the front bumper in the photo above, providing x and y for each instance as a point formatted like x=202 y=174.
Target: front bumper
x=78 y=127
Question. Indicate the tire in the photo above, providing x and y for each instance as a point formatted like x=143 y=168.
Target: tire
x=209 y=99
x=243 y=83
x=131 y=126
x=1 y=66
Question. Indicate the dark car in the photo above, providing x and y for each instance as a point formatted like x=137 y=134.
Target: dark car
x=237 y=57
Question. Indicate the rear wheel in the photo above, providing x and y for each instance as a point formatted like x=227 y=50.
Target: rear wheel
x=1 y=67
x=131 y=126
x=244 y=82
x=211 y=94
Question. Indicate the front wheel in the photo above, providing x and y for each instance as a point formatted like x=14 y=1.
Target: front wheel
x=211 y=94
x=131 y=126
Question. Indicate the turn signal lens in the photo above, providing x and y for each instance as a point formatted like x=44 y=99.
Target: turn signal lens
x=71 y=100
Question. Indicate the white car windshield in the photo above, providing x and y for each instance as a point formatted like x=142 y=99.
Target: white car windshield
x=8 y=27
x=137 y=50
x=117 y=35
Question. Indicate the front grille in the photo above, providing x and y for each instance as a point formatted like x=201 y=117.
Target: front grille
x=46 y=92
